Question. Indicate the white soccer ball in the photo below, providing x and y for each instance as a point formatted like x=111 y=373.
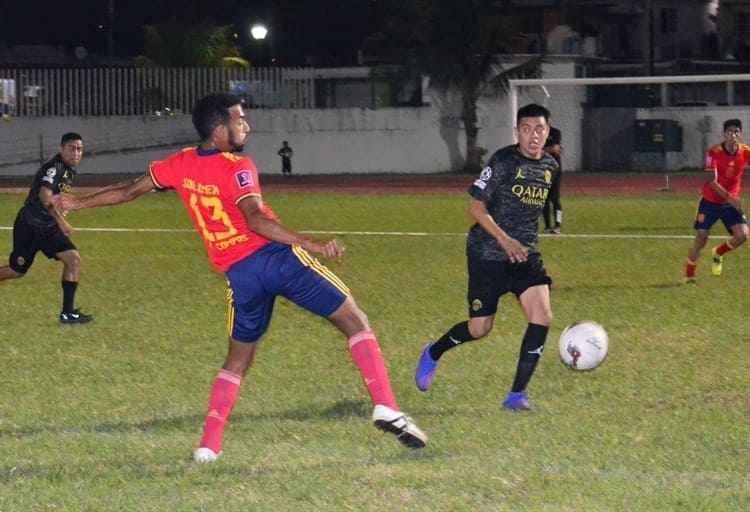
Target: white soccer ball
x=583 y=345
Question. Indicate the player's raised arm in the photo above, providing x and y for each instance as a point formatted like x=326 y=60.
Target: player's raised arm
x=111 y=195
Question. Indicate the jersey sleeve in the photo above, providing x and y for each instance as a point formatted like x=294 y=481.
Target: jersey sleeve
x=162 y=172
x=484 y=187
x=243 y=181
x=51 y=177
x=710 y=161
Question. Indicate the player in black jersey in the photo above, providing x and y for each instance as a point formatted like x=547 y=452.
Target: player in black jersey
x=506 y=202
x=552 y=212
x=41 y=226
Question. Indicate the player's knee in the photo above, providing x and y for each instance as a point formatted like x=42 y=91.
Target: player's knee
x=544 y=317
x=480 y=327
x=72 y=260
x=740 y=237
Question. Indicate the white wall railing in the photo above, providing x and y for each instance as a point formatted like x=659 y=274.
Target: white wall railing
x=31 y=92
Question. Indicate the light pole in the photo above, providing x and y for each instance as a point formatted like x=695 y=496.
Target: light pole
x=259 y=32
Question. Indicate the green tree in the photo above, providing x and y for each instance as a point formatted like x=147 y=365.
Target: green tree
x=176 y=43
x=462 y=45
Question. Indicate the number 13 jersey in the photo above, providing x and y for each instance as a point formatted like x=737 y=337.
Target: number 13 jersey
x=211 y=184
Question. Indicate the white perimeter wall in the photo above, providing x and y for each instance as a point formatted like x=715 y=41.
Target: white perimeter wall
x=422 y=140
x=336 y=141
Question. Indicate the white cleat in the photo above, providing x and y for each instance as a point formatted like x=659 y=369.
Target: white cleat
x=400 y=425
x=205 y=455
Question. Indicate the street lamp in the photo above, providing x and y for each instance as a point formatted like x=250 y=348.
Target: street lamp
x=262 y=36
x=258 y=31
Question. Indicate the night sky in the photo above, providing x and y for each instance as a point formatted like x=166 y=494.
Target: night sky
x=323 y=29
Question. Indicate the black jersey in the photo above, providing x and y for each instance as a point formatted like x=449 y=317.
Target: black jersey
x=514 y=189
x=53 y=175
x=554 y=139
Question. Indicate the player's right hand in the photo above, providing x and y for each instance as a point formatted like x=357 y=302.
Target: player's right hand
x=67 y=202
x=736 y=202
x=513 y=248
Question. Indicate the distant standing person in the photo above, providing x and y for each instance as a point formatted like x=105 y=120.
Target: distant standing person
x=286 y=154
x=261 y=260
x=506 y=202
x=720 y=199
x=40 y=225
x=552 y=211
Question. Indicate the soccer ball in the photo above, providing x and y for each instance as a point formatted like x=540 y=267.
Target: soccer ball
x=583 y=345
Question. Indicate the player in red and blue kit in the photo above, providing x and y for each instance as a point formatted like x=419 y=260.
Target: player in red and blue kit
x=261 y=259
x=720 y=199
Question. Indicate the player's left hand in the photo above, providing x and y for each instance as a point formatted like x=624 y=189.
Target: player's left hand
x=332 y=249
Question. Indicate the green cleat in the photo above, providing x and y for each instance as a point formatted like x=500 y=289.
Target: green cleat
x=716 y=263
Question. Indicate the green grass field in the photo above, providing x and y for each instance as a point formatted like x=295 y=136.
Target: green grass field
x=105 y=416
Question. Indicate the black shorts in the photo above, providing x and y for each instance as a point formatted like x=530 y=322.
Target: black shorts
x=490 y=280
x=29 y=239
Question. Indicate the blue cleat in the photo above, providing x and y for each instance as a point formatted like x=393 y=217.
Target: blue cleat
x=517 y=401
x=425 y=369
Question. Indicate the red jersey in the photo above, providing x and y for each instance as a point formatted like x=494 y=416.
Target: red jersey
x=728 y=169
x=211 y=183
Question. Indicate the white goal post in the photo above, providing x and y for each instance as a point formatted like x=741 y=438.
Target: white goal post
x=638 y=124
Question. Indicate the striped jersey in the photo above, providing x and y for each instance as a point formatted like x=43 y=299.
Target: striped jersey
x=210 y=184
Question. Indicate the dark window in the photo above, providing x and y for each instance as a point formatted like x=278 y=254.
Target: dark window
x=668 y=21
x=533 y=25
x=741 y=24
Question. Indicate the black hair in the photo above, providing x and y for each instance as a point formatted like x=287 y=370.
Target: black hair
x=532 y=110
x=732 y=122
x=67 y=137
x=212 y=111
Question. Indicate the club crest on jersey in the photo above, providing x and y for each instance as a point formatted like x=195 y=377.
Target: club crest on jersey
x=730 y=170
x=548 y=176
x=244 y=178
x=50 y=176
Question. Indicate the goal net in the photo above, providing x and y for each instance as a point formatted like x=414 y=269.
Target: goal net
x=637 y=124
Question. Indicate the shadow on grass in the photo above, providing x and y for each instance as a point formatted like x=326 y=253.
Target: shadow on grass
x=653 y=286
x=339 y=410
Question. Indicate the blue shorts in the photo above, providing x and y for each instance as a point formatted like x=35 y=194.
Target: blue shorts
x=278 y=270
x=709 y=213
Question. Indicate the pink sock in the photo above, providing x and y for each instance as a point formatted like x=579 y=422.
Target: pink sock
x=220 y=403
x=365 y=351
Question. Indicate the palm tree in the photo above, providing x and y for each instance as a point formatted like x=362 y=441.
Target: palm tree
x=461 y=45
x=175 y=43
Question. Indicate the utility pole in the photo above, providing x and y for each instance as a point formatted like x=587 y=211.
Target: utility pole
x=110 y=30
x=650 y=36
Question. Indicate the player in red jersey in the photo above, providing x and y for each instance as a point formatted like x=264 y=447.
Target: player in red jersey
x=720 y=199
x=261 y=259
